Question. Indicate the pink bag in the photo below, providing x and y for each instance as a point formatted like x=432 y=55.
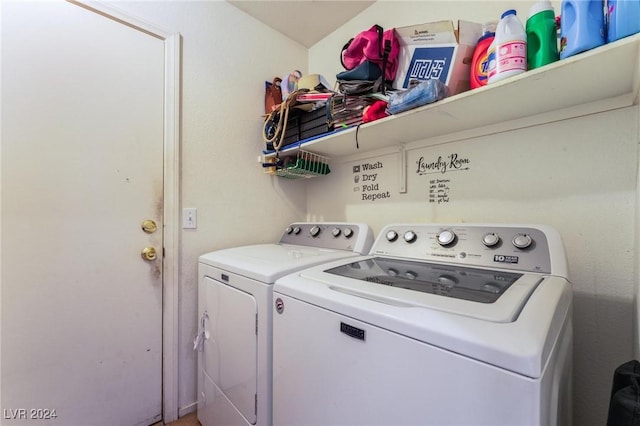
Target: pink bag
x=375 y=45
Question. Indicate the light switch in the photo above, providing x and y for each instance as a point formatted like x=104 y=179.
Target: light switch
x=189 y=218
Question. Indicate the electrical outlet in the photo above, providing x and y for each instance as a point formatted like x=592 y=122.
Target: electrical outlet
x=189 y=218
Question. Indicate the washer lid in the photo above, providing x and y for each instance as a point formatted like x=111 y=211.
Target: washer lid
x=476 y=285
x=483 y=294
x=268 y=262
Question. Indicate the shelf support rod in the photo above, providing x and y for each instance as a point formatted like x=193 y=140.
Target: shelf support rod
x=402 y=169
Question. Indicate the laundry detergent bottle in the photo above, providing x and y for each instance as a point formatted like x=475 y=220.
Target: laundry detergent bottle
x=480 y=61
x=581 y=26
x=623 y=18
x=508 y=51
x=542 y=35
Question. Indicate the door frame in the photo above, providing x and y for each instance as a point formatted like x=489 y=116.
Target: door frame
x=171 y=196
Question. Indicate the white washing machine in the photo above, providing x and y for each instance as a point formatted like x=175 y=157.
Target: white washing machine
x=440 y=325
x=235 y=316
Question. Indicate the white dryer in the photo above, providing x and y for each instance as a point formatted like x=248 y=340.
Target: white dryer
x=234 y=306
x=440 y=325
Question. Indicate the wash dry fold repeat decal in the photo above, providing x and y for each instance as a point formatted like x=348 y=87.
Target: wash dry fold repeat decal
x=368 y=181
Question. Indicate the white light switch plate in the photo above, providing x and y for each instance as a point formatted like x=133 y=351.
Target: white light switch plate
x=189 y=218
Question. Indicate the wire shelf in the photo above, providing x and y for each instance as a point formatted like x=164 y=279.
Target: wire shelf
x=304 y=165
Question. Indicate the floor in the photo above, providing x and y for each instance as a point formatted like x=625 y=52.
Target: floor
x=188 y=420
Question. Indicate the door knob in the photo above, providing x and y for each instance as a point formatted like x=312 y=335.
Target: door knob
x=149 y=226
x=149 y=253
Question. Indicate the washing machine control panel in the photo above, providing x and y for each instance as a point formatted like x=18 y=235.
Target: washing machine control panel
x=522 y=248
x=357 y=237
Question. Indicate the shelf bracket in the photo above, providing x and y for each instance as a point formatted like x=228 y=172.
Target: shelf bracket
x=402 y=169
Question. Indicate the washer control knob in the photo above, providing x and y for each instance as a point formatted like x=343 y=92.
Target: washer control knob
x=410 y=236
x=522 y=241
x=348 y=232
x=490 y=239
x=296 y=230
x=314 y=231
x=288 y=230
x=446 y=237
x=336 y=232
x=392 y=236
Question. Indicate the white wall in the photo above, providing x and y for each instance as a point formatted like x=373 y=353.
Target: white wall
x=227 y=56
x=578 y=175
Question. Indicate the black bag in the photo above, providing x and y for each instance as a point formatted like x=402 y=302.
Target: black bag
x=624 y=406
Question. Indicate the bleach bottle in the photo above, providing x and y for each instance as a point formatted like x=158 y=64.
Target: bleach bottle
x=508 y=52
x=623 y=18
x=479 y=74
x=581 y=26
x=542 y=38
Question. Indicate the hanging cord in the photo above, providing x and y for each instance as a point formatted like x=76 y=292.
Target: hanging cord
x=279 y=118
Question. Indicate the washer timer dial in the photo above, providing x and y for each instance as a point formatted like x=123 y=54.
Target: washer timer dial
x=446 y=237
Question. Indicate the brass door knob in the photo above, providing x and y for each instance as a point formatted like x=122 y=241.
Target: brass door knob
x=149 y=226
x=149 y=253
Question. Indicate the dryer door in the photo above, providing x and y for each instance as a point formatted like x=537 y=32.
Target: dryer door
x=231 y=350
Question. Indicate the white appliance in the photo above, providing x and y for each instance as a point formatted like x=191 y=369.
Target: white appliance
x=234 y=306
x=439 y=325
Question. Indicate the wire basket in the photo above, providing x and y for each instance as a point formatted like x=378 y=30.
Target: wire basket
x=304 y=165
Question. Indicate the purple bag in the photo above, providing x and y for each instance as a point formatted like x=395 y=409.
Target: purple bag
x=374 y=45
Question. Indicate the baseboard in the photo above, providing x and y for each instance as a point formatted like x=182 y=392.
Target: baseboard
x=187 y=409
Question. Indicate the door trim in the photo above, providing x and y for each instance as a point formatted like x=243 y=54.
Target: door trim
x=171 y=197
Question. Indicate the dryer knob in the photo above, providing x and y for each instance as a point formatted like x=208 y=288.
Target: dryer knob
x=314 y=231
x=392 y=236
x=522 y=241
x=336 y=232
x=490 y=239
x=410 y=236
x=348 y=232
x=446 y=237
x=288 y=230
x=296 y=230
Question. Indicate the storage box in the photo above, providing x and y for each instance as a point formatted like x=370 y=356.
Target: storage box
x=437 y=50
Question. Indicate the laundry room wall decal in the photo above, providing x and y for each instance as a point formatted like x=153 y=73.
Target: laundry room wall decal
x=454 y=162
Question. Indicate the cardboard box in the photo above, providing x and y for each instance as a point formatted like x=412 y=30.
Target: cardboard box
x=437 y=50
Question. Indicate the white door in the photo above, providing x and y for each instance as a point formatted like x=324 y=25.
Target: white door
x=82 y=168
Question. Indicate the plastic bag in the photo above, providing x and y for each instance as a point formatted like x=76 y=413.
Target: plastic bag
x=423 y=93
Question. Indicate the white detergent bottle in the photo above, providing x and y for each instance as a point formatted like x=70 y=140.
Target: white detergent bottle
x=508 y=52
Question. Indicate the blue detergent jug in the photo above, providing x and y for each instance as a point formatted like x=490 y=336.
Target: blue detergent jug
x=624 y=18
x=581 y=26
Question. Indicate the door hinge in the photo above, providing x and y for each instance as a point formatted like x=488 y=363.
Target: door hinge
x=256 y=324
x=256 y=405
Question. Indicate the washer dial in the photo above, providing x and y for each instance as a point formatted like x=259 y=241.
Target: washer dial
x=336 y=232
x=446 y=237
x=348 y=232
x=522 y=241
x=410 y=236
x=392 y=236
x=490 y=239
x=314 y=231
